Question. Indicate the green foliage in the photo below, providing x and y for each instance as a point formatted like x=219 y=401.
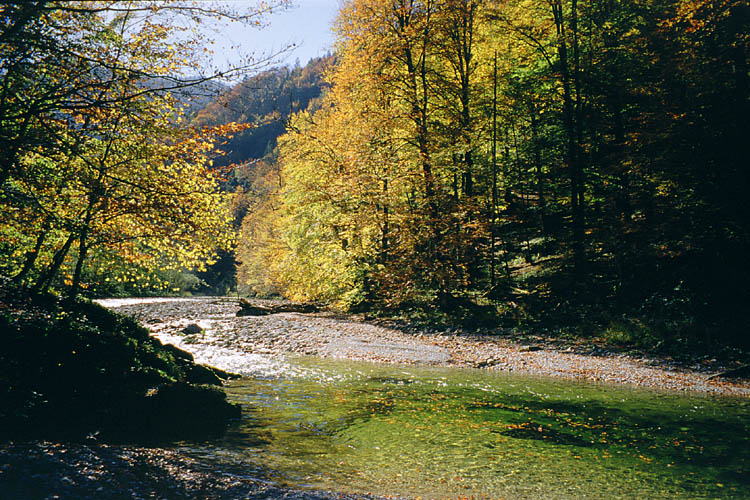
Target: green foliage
x=571 y=162
x=96 y=157
x=630 y=333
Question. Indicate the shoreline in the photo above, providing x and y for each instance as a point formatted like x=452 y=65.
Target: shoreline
x=94 y=470
x=350 y=337
x=97 y=471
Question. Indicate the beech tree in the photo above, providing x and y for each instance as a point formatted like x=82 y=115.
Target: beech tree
x=95 y=151
x=568 y=158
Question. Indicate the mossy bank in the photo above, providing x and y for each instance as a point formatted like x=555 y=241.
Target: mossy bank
x=72 y=370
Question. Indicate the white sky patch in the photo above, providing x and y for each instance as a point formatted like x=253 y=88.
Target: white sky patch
x=307 y=26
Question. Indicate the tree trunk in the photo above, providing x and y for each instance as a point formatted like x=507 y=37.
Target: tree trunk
x=539 y=175
x=82 y=250
x=45 y=280
x=493 y=220
x=32 y=256
x=573 y=152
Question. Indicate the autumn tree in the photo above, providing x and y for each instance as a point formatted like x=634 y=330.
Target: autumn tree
x=95 y=152
x=563 y=159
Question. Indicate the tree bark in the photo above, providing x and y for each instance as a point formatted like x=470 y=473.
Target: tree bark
x=32 y=256
x=45 y=280
x=573 y=156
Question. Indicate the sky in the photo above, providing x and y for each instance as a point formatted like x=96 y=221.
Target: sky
x=307 y=24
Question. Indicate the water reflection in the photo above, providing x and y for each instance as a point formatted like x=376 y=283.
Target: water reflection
x=438 y=433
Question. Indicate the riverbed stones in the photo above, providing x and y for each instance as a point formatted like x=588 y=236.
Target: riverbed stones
x=415 y=352
x=192 y=329
x=335 y=335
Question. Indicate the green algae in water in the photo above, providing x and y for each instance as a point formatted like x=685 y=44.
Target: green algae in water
x=442 y=433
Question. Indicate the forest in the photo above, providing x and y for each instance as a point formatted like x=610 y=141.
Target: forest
x=561 y=165
x=480 y=249
x=547 y=163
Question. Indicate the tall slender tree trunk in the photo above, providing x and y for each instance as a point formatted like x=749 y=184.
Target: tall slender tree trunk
x=82 y=251
x=46 y=278
x=539 y=174
x=83 y=248
x=417 y=74
x=493 y=219
x=624 y=204
x=463 y=39
x=32 y=255
x=573 y=156
x=384 y=242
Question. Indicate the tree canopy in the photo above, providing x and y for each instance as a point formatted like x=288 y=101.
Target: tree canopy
x=549 y=158
x=97 y=161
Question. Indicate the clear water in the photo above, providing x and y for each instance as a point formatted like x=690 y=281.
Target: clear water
x=446 y=433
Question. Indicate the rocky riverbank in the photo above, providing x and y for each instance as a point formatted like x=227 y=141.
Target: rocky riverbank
x=47 y=470
x=222 y=339
x=209 y=328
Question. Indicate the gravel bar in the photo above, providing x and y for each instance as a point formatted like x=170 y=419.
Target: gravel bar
x=350 y=337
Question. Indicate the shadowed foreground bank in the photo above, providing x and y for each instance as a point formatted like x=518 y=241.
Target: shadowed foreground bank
x=98 y=471
x=74 y=369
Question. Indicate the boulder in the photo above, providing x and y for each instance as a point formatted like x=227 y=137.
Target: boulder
x=177 y=352
x=172 y=411
x=199 y=374
x=192 y=329
x=251 y=310
x=529 y=348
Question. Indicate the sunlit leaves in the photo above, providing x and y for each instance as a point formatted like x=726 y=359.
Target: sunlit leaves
x=94 y=154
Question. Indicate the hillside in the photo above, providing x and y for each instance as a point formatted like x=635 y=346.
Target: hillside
x=266 y=101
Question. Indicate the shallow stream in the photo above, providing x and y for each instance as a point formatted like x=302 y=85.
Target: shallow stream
x=448 y=433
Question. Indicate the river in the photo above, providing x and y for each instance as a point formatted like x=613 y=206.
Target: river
x=441 y=432
x=452 y=433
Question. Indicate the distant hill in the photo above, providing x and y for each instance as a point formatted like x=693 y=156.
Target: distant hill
x=265 y=100
x=193 y=93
